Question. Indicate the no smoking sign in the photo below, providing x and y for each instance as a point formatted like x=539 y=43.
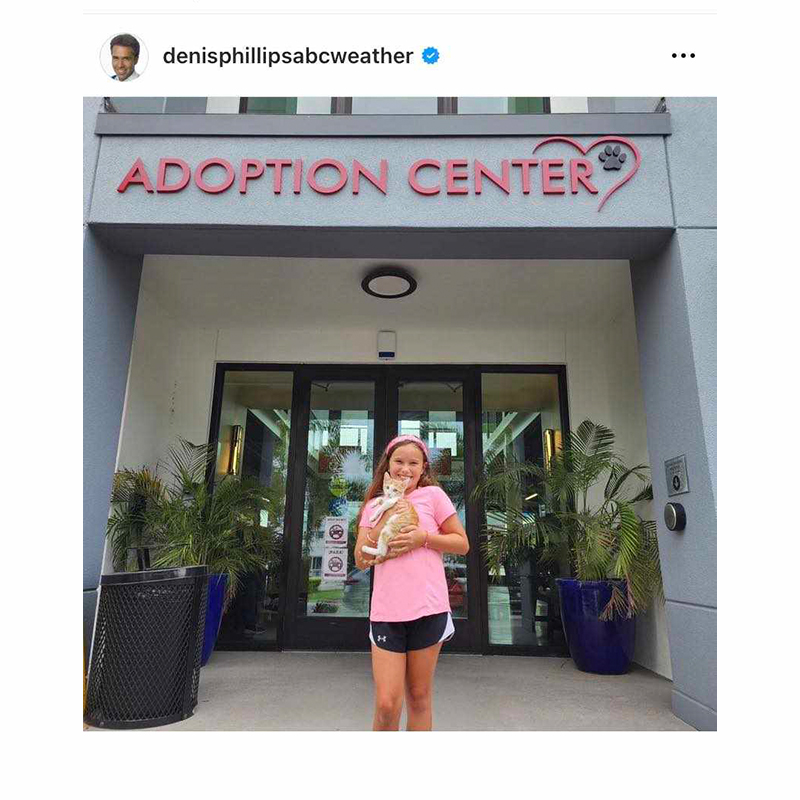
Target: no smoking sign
x=336 y=531
x=334 y=564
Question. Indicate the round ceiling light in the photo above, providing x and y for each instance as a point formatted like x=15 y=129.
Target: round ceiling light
x=389 y=283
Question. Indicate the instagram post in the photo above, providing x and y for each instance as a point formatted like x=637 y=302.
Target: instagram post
x=399 y=371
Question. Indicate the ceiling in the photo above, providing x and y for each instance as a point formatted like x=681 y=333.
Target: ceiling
x=223 y=292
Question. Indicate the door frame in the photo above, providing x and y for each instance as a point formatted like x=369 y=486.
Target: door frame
x=304 y=632
x=469 y=636
x=386 y=377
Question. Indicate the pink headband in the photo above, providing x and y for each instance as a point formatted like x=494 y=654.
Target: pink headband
x=409 y=438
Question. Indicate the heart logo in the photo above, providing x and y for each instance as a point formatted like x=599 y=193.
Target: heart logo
x=585 y=151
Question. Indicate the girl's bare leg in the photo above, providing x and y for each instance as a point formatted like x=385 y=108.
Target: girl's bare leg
x=389 y=672
x=420 y=666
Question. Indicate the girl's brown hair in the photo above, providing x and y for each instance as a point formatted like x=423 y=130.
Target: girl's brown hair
x=376 y=487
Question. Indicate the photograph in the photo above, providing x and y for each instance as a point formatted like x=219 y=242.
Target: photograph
x=405 y=402
x=124 y=53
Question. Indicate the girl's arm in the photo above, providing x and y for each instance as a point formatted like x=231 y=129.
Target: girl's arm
x=363 y=560
x=452 y=538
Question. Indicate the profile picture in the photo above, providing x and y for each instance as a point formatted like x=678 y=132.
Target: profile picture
x=123 y=57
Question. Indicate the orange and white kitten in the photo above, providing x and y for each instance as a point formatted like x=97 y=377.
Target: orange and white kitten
x=393 y=490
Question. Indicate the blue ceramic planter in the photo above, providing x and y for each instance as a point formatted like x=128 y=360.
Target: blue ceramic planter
x=216 y=596
x=605 y=648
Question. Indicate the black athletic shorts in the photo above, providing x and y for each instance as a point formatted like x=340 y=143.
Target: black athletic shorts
x=416 y=634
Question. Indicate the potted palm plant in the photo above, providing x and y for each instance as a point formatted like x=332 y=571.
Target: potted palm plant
x=221 y=527
x=585 y=519
x=134 y=494
x=187 y=522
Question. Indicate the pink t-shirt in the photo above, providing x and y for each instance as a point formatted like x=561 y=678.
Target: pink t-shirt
x=413 y=585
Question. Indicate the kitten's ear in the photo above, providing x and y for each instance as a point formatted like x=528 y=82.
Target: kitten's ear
x=386 y=479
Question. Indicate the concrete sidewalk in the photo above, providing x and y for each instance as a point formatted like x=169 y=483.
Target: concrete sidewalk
x=293 y=691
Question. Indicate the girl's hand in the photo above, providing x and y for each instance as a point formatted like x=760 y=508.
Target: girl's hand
x=363 y=561
x=379 y=559
x=410 y=538
x=400 y=507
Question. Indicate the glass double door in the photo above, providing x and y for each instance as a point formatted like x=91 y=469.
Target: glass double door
x=342 y=420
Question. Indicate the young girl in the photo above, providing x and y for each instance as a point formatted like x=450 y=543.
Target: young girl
x=410 y=612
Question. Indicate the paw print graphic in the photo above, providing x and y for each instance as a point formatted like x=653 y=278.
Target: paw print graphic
x=612 y=158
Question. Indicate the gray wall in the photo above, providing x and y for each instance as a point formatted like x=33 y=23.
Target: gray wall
x=110 y=294
x=91 y=150
x=675 y=301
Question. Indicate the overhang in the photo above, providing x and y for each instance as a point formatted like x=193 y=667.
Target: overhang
x=632 y=124
x=381 y=243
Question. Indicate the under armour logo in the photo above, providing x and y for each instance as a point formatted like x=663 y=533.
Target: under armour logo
x=381 y=638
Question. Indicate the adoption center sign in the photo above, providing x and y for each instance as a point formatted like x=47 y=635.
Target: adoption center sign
x=574 y=173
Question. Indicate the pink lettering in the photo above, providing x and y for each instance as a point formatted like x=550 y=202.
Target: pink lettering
x=211 y=162
x=453 y=176
x=277 y=180
x=136 y=174
x=413 y=180
x=381 y=183
x=577 y=176
x=247 y=174
x=186 y=174
x=481 y=171
x=548 y=176
x=327 y=162
x=525 y=165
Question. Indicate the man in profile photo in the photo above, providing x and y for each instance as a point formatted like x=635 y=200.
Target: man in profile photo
x=124 y=56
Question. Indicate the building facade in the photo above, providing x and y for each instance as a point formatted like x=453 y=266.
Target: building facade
x=562 y=254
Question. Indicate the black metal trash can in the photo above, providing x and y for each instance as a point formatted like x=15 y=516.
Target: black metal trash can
x=145 y=663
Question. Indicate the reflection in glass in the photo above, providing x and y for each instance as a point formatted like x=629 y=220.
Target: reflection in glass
x=434 y=411
x=521 y=421
x=501 y=105
x=338 y=471
x=155 y=105
x=395 y=105
x=253 y=441
x=286 y=105
x=271 y=105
